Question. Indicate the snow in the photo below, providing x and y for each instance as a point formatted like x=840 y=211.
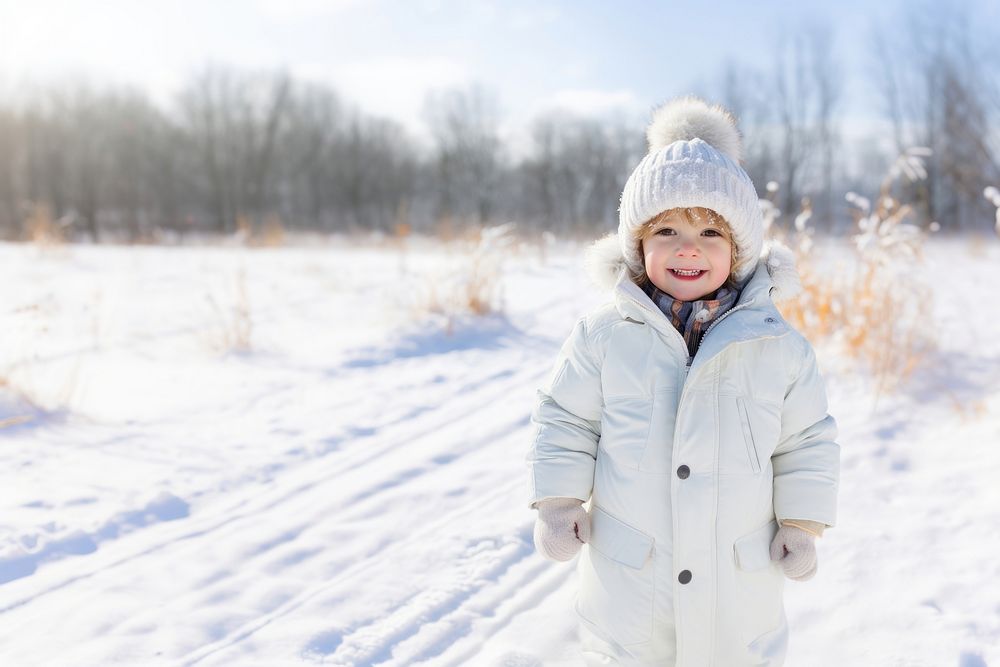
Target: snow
x=802 y=220
x=993 y=195
x=349 y=488
x=861 y=202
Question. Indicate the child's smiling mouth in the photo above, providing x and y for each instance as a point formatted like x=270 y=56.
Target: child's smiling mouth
x=687 y=274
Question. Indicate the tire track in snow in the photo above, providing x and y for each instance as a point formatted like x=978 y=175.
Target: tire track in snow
x=55 y=554
x=370 y=642
x=535 y=587
x=371 y=501
x=407 y=475
x=373 y=643
x=356 y=571
x=472 y=405
x=253 y=505
x=493 y=607
x=473 y=402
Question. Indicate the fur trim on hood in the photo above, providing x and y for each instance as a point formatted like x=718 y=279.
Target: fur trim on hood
x=603 y=261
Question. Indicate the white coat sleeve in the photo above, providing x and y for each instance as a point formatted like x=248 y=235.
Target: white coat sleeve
x=806 y=461
x=567 y=419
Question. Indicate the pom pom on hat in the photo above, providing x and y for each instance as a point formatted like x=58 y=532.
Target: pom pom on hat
x=689 y=117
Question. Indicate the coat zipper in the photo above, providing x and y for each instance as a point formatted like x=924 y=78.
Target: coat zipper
x=690 y=358
x=680 y=401
x=722 y=317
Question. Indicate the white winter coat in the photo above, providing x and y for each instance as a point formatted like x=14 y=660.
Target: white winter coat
x=687 y=470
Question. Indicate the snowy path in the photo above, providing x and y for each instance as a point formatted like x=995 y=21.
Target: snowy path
x=346 y=495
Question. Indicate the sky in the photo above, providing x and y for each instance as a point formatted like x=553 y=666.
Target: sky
x=593 y=58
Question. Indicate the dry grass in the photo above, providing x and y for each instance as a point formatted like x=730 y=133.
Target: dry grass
x=967 y=410
x=445 y=228
x=27 y=372
x=42 y=229
x=16 y=419
x=271 y=234
x=870 y=315
x=473 y=286
x=976 y=245
x=992 y=195
x=877 y=311
x=232 y=329
x=41 y=389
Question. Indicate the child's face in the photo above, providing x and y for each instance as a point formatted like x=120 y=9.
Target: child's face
x=674 y=243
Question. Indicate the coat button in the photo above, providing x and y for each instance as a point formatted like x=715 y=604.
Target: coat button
x=683 y=472
x=770 y=320
x=684 y=577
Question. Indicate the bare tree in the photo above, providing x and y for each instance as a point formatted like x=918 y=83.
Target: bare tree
x=469 y=155
x=10 y=155
x=172 y=168
x=234 y=119
x=828 y=78
x=46 y=139
x=312 y=132
x=539 y=175
x=130 y=127
x=83 y=159
x=806 y=85
x=375 y=172
x=744 y=91
x=794 y=93
x=937 y=83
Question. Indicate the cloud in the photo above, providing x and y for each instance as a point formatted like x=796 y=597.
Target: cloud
x=297 y=9
x=393 y=87
x=533 y=17
x=589 y=102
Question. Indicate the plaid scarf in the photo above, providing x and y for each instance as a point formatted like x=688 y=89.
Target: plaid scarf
x=692 y=318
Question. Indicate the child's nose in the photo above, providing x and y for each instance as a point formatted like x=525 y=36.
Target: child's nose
x=687 y=247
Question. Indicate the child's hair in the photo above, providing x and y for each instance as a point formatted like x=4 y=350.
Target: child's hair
x=686 y=213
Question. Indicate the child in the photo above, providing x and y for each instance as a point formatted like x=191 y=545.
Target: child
x=688 y=417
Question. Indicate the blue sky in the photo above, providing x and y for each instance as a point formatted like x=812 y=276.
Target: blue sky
x=593 y=57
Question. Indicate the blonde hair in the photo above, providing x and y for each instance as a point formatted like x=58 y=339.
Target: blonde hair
x=691 y=215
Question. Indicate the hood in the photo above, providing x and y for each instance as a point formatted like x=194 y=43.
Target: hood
x=604 y=262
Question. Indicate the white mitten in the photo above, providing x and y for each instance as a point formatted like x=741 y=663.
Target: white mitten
x=562 y=528
x=796 y=550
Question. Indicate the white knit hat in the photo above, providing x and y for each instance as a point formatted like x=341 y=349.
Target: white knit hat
x=693 y=160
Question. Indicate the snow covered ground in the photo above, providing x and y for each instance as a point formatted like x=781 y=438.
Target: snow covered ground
x=349 y=489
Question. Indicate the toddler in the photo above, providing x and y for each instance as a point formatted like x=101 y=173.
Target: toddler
x=683 y=433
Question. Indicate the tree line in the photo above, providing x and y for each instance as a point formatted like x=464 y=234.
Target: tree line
x=242 y=150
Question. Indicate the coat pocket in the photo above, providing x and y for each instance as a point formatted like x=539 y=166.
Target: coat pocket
x=760 y=584
x=753 y=550
x=737 y=451
x=748 y=433
x=616 y=580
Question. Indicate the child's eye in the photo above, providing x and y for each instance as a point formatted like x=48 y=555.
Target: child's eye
x=666 y=231
x=712 y=232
